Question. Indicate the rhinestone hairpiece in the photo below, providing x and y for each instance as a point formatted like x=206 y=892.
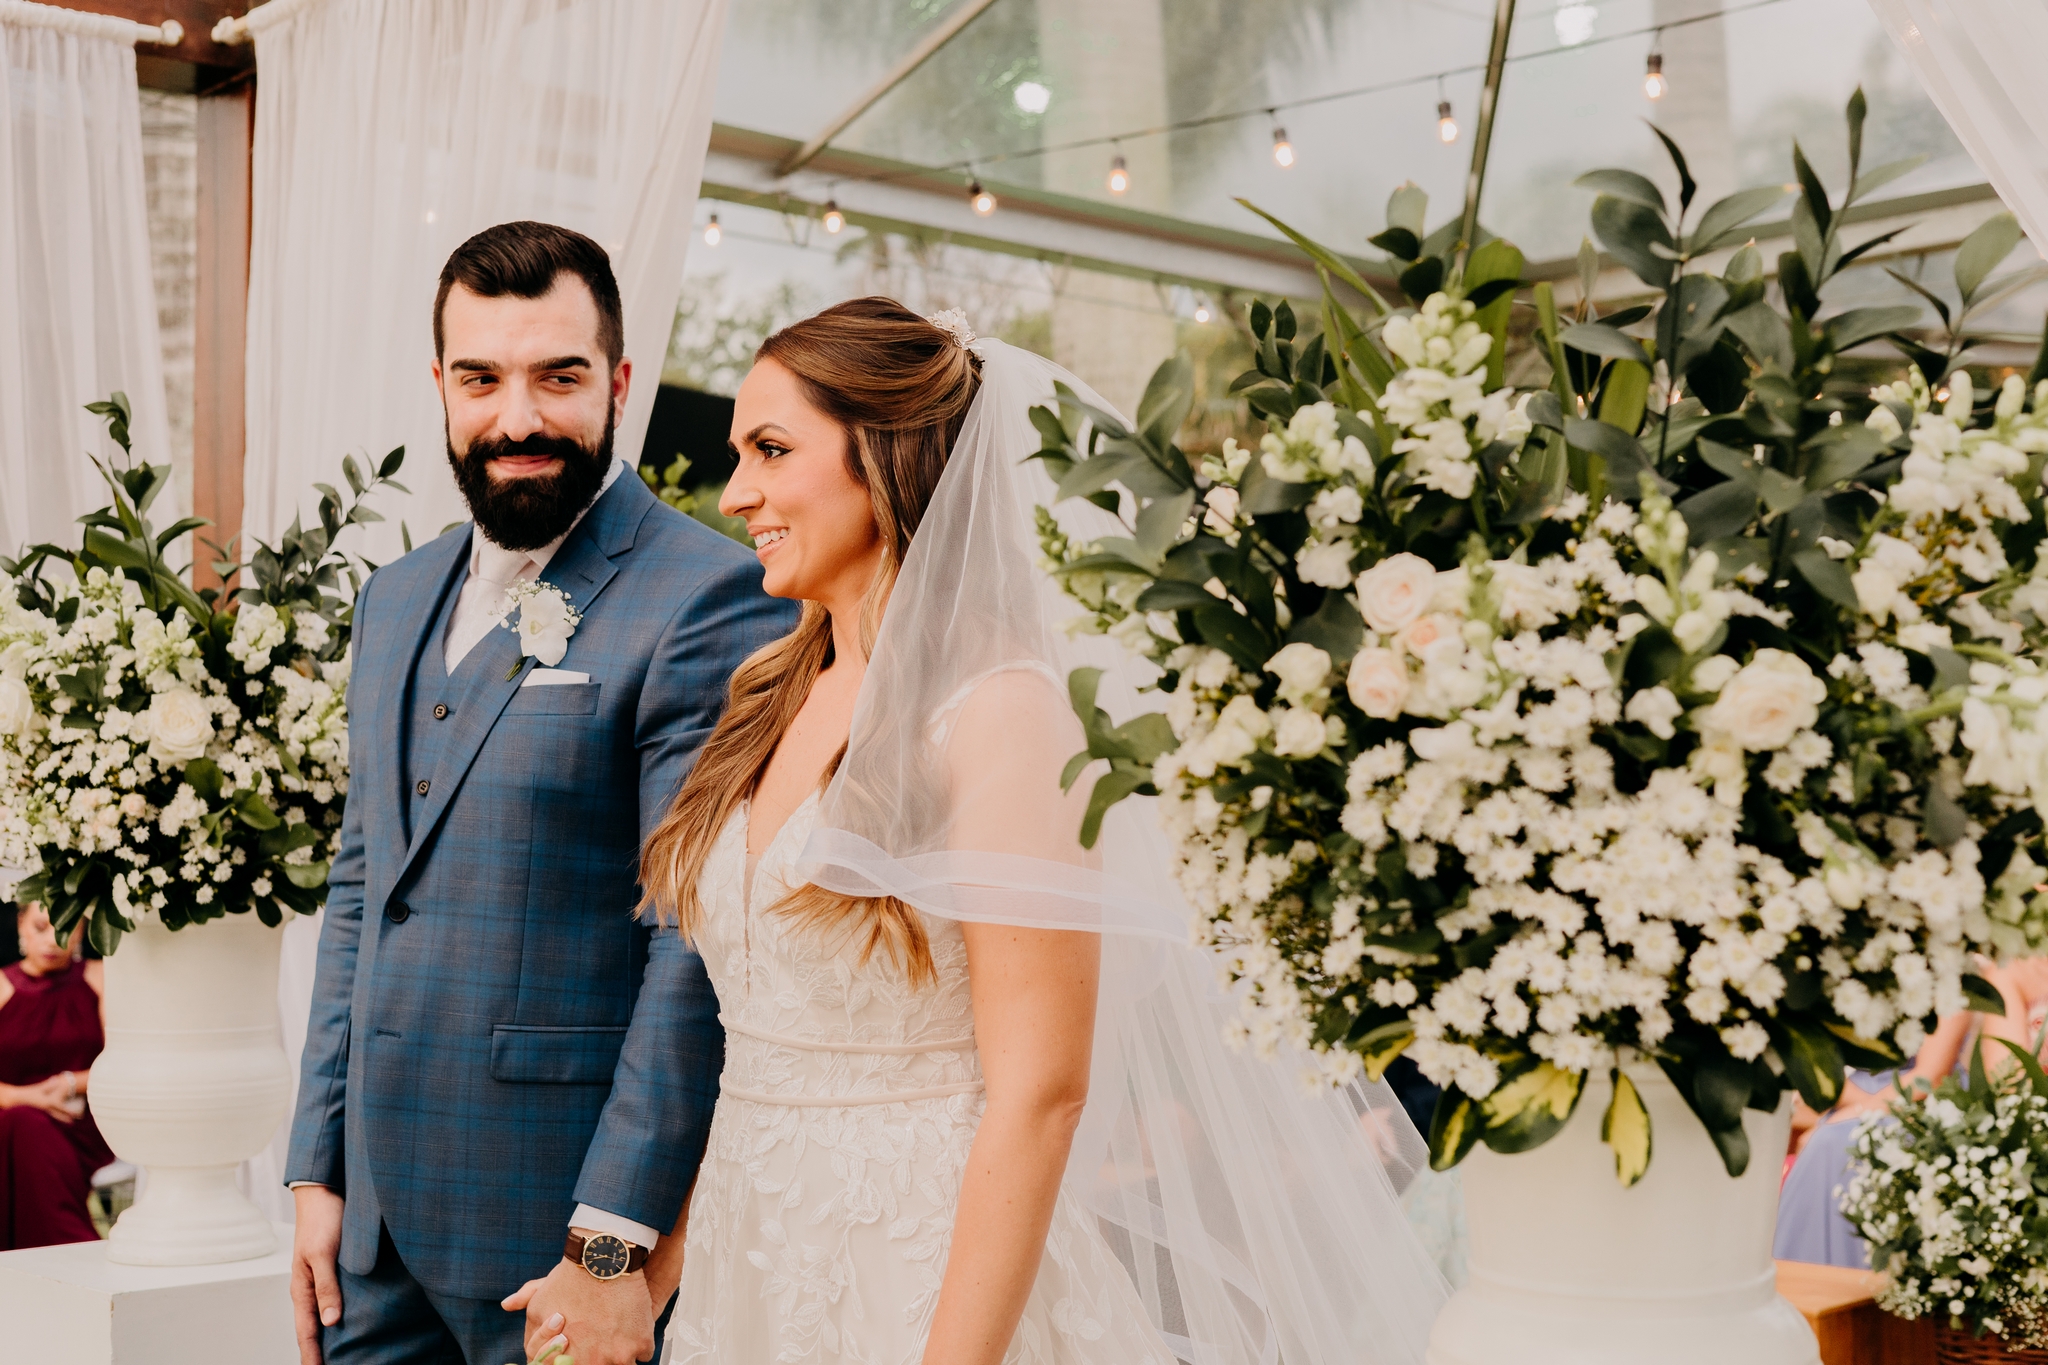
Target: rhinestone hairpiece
x=953 y=323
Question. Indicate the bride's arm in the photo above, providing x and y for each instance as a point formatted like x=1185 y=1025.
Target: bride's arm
x=1034 y=1021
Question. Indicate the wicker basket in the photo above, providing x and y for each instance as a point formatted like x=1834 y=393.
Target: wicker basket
x=1960 y=1348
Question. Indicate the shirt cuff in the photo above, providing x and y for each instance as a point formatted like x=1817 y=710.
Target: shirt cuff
x=302 y=1184
x=597 y=1220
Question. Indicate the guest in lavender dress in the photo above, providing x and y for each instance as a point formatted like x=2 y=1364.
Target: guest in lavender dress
x=50 y=1031
x=1810 y=1222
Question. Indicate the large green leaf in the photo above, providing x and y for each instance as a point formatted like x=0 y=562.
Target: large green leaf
x=1455 y=1130
x=1335 y=628
x=1624 y=185
x=1628 y=230
x=1528 y=1111
x=1597 y=338
x=1236 y=635
x=1725 y=215
x=1324 y=257
x=1981 y=251
x=1861 y=324
x=1167 y=398
x=1813 y=1063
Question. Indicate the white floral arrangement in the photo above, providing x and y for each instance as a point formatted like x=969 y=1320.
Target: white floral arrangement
x=1479 y=746
x=163 y=755
x=1946 y=1189
x=546 y=621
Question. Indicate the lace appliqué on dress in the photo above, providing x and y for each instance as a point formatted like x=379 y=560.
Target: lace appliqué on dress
x=823 y=1212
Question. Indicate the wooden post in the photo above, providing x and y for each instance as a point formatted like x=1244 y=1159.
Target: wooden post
x=1482 y=136
x=220 y=322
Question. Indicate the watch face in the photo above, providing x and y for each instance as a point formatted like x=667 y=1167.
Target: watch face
x=605 y=1256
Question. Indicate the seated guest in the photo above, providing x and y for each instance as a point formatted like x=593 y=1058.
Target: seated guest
x=50 y=1031
x=1810 y=1223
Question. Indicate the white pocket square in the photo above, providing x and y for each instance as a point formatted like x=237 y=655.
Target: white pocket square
x=554 y=677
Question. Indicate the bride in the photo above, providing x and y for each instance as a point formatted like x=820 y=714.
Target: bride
x=975 y=1105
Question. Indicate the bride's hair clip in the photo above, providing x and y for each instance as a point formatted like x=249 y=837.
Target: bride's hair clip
x=953 y=323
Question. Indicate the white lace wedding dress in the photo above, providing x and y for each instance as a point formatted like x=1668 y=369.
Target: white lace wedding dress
x=823 y=1212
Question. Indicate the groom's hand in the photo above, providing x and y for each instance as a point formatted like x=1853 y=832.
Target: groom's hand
x=316 y=1242
x=607 y=1322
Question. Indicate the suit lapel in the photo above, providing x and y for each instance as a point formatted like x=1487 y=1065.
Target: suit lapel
x=581 y=568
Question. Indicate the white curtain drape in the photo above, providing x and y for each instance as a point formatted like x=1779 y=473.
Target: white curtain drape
x=77 y=300
x=1979 y=62
x=387 y=132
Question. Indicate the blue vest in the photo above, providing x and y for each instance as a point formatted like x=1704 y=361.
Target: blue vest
x=433 y=699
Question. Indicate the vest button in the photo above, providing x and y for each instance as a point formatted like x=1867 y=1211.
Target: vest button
x=398 y=912
x=421 y=786
x=440 y=710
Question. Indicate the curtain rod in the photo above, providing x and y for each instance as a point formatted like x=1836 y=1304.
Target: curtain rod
x=233 y=32
x=27 y=14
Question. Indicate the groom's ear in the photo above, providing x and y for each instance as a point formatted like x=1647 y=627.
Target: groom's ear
x=622 y=382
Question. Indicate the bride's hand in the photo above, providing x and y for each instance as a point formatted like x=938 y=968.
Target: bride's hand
x=516 y=1302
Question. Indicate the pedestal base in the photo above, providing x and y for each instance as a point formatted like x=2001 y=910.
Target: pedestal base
x=69 y=1305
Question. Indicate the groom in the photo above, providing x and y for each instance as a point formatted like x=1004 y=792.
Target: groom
x=506 y=1076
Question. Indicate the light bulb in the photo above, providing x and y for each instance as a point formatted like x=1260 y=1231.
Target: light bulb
x=1032 y=98
x=712 y=232
x=1283 y=150
x=1119 y=176
x=984 y=203
x=1202 y=312
x=1654 y=84
x=834 y=219
x=1446 y=126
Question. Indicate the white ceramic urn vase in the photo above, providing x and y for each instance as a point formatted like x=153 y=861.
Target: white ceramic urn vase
x=1570 y=1268
x=192 y=1083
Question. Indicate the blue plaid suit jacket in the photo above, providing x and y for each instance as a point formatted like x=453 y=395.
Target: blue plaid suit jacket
x=494 y=1038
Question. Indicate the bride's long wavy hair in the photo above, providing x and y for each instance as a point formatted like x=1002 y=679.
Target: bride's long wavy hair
x=901 y=388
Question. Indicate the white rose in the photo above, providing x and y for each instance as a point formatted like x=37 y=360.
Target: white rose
x=1378 y=683
x=180 y=726
x=17 y=707
x=1299 y=734
x=1302 y=670
x=1770 y=700
x=1395 y=591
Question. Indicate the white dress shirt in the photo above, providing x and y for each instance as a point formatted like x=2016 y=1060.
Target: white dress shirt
x=478 y=610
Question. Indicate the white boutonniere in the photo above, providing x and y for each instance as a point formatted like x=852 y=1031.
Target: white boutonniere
x=546 y=621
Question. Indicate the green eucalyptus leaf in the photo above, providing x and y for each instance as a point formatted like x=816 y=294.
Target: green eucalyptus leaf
x=1624 y=185
x=1861 y=324
x=1981 y=251
x=1725 y=215
x=1827 y=576
x=1597 y=338
x=1407 y=208
x=1628 y=230
x=307 y=876
x=1720 y=511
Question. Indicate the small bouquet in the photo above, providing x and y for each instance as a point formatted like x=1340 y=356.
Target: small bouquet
x=1687 y=710
x=1952 y=1195
x=162 y=750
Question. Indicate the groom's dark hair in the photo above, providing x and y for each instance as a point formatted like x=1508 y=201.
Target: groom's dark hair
x=524 y=259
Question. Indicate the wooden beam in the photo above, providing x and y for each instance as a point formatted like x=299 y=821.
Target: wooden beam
x=220 y=321
x=197 y=63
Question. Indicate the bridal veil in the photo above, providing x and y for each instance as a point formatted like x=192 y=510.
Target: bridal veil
x=1259 y=1219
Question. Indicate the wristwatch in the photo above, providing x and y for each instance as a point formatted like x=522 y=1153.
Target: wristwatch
x=606 y=1257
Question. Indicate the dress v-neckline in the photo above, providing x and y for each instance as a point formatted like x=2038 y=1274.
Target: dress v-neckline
x=752 y=863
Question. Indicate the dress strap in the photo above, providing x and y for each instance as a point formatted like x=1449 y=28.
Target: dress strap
x=867 y=1049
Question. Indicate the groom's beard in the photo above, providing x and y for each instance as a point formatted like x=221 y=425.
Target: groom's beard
x=527 y=513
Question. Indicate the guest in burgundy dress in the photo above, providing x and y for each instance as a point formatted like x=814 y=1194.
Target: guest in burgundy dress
x=49 y=1034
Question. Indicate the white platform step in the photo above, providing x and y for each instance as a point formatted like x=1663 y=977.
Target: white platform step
x=66 y=1305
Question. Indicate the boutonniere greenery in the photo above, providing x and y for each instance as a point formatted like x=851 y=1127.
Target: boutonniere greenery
x=545 y=622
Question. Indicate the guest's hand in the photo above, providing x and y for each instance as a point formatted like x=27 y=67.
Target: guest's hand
x=53 y=1096
x=316 y=1243
x=607 y=1322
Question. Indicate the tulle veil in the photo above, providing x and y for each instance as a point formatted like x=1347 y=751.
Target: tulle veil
x=1259 y=1220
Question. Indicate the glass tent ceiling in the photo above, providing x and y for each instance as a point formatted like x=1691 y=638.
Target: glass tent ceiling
x=1044 y=94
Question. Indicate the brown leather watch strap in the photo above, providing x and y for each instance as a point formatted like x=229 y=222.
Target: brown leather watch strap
x=577 y=1248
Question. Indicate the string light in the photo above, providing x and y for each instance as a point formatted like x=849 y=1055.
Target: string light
x=1119 y=175
x=1283 y=150
x=1574 y=22
x=834 y=219
x=712 y=232
x=1202 y=310
x=1032 y=98
x=1446 y=126
x=983 y=202
x=1654 y=82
